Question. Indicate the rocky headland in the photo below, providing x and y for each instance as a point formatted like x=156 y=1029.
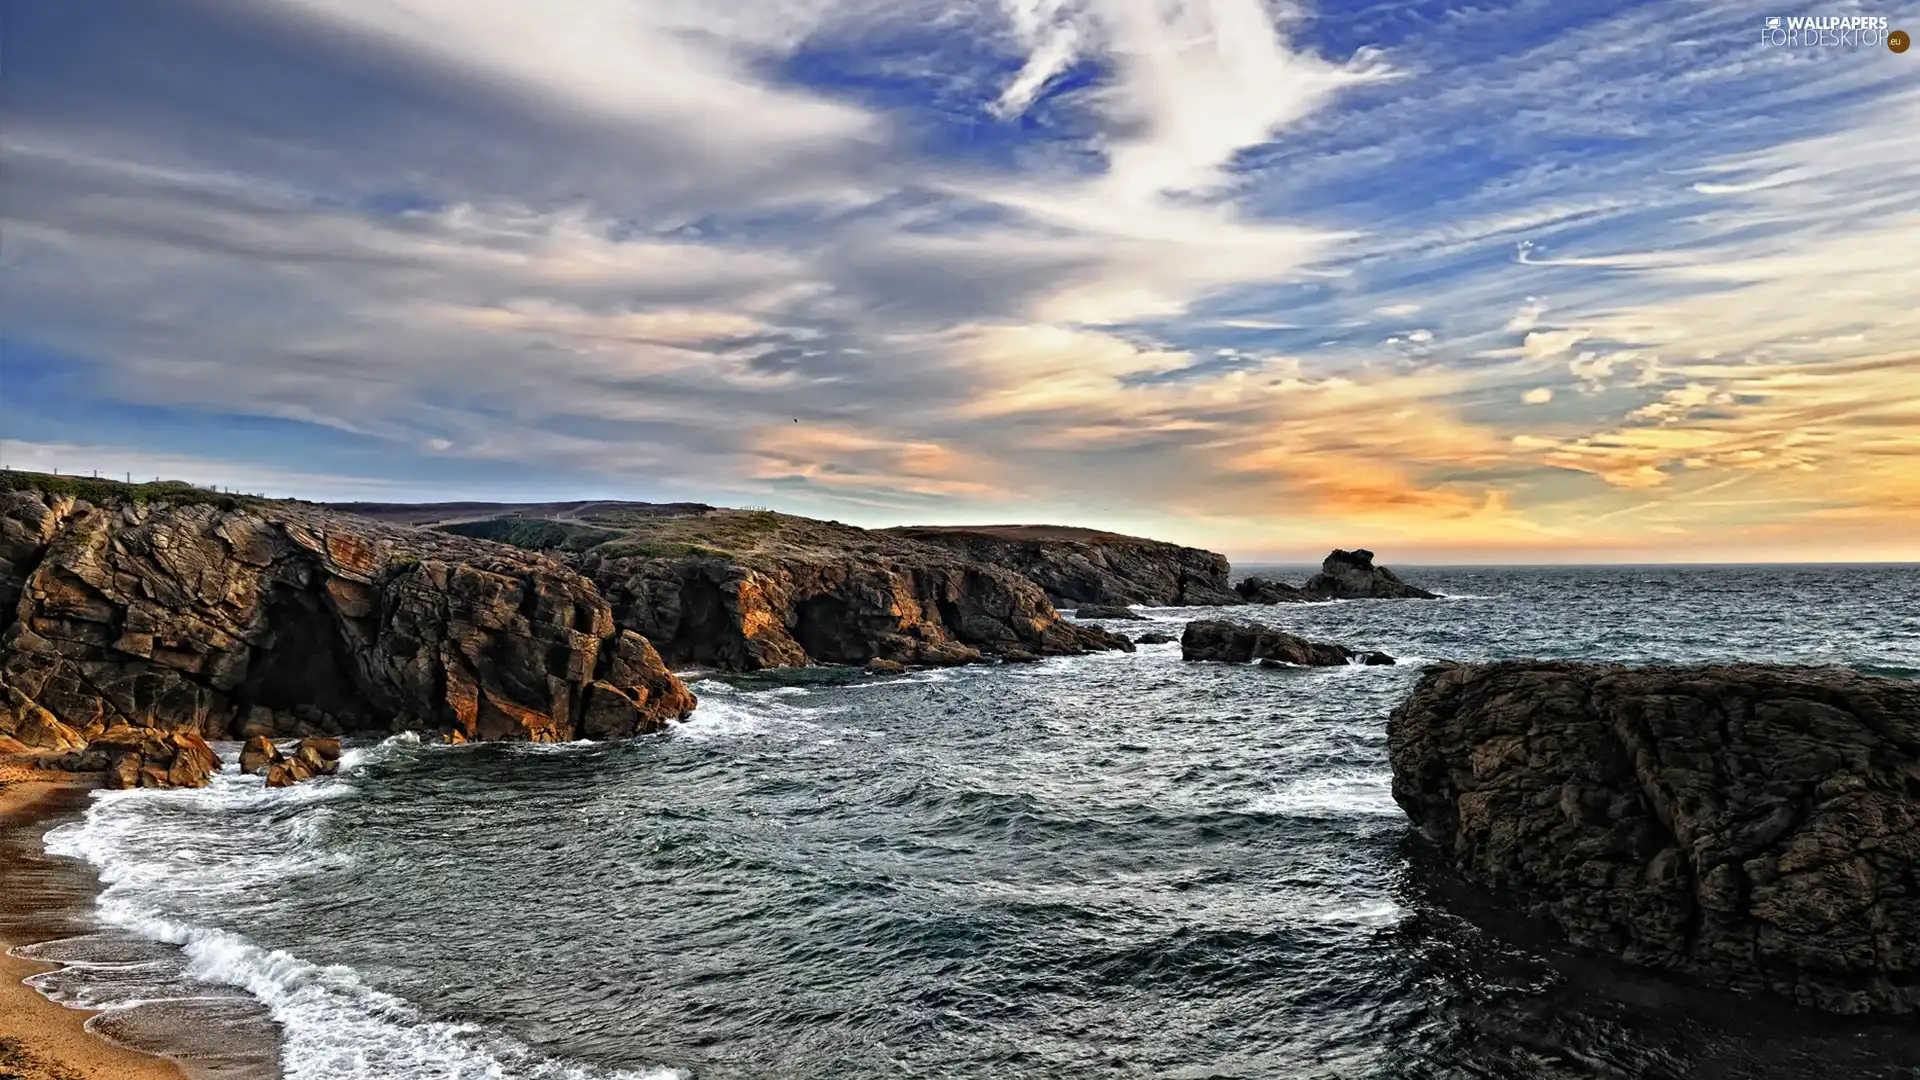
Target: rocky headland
x=1756 y=826
x=133 y=617
x=1088 y=566
x=176 y=612
x=743 y=590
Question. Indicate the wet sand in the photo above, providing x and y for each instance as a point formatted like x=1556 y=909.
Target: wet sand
x=39 y=901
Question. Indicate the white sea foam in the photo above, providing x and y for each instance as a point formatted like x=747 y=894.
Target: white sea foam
x=334 y=1024
x=1338 y=794
x=732 y=718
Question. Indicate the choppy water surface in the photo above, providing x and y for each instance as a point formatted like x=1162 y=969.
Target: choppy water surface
x=1105 y=866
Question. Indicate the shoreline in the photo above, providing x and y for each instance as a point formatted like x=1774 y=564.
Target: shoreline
x=41 y=1039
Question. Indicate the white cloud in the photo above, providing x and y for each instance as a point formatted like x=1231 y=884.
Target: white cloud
x=1539 y=395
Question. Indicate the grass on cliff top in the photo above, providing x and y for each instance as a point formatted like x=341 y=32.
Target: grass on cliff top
x=113 y=492
x=534 y=534
x=744 y=533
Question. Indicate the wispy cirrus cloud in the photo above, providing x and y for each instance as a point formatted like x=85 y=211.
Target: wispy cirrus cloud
x=1526 y=279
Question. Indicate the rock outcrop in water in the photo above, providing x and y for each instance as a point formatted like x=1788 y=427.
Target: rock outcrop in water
x=1243 y=643
x=1759 y=826
x=1088 y=566
x=232 y=619
x=313 y=757
x=1259 y=590
x=143 y=758
x=1351 y=575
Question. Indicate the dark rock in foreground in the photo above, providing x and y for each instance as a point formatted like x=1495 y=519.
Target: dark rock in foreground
x=1243 y=643
x=1153 y=637
x=1088 y=566
x=1259 y=590
x=1106 y=611
x=1759 y=826
x=1351 y=575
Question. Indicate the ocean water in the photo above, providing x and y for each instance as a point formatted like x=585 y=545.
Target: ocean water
x=1103 y=866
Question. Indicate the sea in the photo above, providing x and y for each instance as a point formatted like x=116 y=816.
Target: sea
x=1115 y=865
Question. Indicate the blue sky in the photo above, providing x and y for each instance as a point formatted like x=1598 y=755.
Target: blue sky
x=1540 y=281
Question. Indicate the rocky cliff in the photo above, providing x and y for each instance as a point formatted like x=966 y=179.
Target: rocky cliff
x=1087 y=566
x=185 y=612
x=749 y=589
x=752 y=589
x=1757 y=826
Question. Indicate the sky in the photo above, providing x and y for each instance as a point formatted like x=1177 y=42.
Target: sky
x=1539 y=281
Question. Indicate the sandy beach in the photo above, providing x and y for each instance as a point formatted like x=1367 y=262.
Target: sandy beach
x=41 y=1040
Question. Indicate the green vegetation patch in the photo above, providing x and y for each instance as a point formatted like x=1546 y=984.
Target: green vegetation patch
x=113 y=492
x=659 y=549
x=533 y=534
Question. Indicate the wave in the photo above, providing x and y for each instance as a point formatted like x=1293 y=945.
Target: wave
x=739 y=717
x=334 y=1025
x=1347 y=793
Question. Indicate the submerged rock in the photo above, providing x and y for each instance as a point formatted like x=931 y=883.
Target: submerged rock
x=1351 y=575
x=1758 y=826
x=1153 y=637
x=1242 y=643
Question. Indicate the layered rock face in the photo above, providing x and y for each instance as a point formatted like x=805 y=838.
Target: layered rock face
x=1243 y=643
x=1754 y=825
x=1087 y=566
x=1351 y=575
x=750 y=589
x=282 y=619
x=910 y=604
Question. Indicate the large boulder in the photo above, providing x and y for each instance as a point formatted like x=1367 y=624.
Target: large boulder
x=638 y=696
x=1351 y=575
x=313 y=757
x=143 y=758
x=258 y=755
x=1758 y=826
x=1243 y=643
